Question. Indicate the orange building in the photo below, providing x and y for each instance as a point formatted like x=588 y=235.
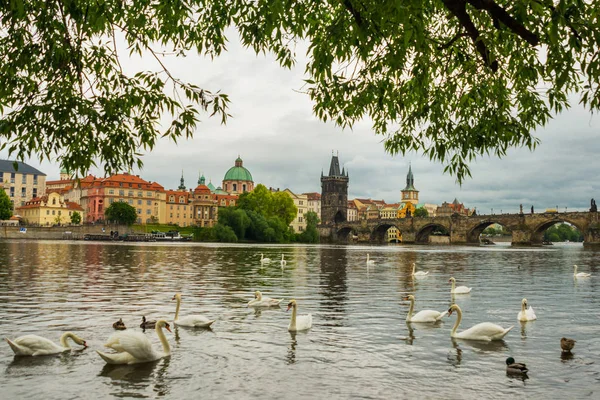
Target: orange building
x=179 y=210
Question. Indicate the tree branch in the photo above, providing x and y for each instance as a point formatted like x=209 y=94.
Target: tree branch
x=458 y=9
x=499 y=14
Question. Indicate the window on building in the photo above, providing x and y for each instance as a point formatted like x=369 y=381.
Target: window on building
x=121 y=193
x=53 y=212
x=130 y=185
x=121 y=200
x=12 y=177
x=59 y=212
x=148 y=211
x=148 y=202
x=130 y=201
x=149 y=194
x=171 y=206
x=244 y=187
x=139 y=202
x=35 y=181
x=130 y=193
x=139 y=220
x=181 y=199
x=23 y=192
x=47 y=212
x=140 y=194
x=111 y=201
x=171 y=215
x=300 y=228
x=172 y=199
x=139 y=210
x=139 y=185
x=300 y=202
x=24 y=179
x=1 y=177
x=300 y=219
x=120 y=184
x=235 y=187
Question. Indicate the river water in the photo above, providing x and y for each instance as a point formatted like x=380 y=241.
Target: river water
x=359 y=346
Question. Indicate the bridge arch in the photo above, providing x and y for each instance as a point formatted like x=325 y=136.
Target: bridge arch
x=537 y=235
x=474 y=233
x=422 y=236
x=345 y=233
x=379 y=233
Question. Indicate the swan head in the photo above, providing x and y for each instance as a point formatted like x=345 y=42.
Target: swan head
x=176 y=297
x=291 y=304
x=257 y=294
x=79 y=340
x=452 y=308
x=452 y=279
x=163 y=324
x=410 y=297
x=524 y=302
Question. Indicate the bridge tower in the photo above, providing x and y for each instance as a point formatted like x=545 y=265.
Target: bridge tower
x=409 y=193
x=334 y=194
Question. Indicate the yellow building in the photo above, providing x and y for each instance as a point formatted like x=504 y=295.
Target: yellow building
x=301 y=203
x=21 y=184
x=179 y=210
x=50 y=209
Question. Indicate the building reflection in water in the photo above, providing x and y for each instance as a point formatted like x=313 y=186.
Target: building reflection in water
x=333 y=284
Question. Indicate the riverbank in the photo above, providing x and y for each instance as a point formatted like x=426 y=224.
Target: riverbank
x=60 y=232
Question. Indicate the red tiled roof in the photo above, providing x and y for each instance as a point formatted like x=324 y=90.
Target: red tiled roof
x=313 y=196
x=73 y=206
x=202 y=189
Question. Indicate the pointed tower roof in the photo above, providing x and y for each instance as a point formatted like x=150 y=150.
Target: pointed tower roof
x=334 y=168
x=211 y=186
x=181 y=182
x=410 y=180
x=201 y=179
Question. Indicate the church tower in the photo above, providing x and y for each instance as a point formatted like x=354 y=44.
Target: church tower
x=334 y=194
x=181 y=182
x=409 y=193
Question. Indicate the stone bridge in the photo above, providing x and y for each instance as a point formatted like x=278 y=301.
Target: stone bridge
x=527 y=229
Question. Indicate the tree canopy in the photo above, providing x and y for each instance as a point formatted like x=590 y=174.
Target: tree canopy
x=421 y=212
x=452 y=79
x=75 y=218
x=5 y=205
x=121 y=213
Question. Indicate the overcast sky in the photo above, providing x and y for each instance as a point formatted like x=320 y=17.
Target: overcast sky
x=285 y=146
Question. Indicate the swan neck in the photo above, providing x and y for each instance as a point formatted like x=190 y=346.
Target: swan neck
x=575 y=270
x=414 y=268
x=453 y=286
x=523 y=307
x=177 y=308
x=410 y=310
x=259 y=297
x=63 y=339
x=163 y=339
x=457 y=323
x=293 y=321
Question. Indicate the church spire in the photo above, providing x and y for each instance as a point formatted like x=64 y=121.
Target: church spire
x=181 y=182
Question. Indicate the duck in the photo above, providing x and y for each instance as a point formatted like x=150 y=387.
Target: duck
x=147 y=324
x=515 y=368
x=423 y=315
x=194 y=321
x=119 y=325
x=526 y=314
x=264 y=260
x=283 y=262
x=567 y=344
x=298 y=322
x=135 y=347
x=419 y=273
x=485 y=331
x=580 y=274
x=260 y=301
x=369 y=261
x=34 y=345
x=458 y=289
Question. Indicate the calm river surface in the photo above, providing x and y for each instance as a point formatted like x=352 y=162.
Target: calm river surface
x=359 y=346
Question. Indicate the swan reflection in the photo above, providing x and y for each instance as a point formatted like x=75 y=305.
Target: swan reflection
x=140 y=375
x=291 y=354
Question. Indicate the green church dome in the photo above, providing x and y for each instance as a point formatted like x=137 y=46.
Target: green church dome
x=238 y=172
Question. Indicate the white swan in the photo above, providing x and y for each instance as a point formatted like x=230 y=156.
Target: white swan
x=459 y=289
x=484 y=331
x=34 y=345
x=580 y=274
x=369 y=261
x=264 y=260
x=420 y=273
x=260 y=301
x=283 y=262
x=298 y=322
x=135 y=347
x=196 y=321
x=526 y=314
x=423 y=315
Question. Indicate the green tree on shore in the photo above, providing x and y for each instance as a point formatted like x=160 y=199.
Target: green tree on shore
x=121 y=213
x=5 y=205
x=452 y=79
x=75 y=218
x=421 y=212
